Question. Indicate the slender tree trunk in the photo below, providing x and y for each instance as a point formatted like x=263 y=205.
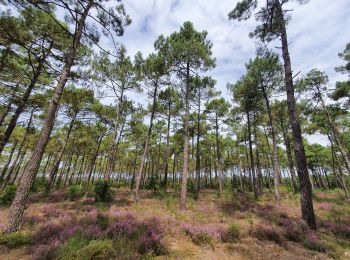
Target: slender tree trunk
x=4 y=170
x=9 y=105
x=198 y=152
x=145 y=151
x=59 y=158
x=258 y=167
x=275 y=160
x=94 y=159
x=252 y=164
x=218 y=154
x=167 y=150
x=183 y=197
x=23 y=102
x=307 y=209
x=17 y=208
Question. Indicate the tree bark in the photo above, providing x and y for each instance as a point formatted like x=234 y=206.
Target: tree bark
x=17 y=208
x=23 y=102
x=183 y=196
x=307 y=209
x=145 y=151
x=275 y=160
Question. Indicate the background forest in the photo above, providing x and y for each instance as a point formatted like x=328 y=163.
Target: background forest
x=104 y=155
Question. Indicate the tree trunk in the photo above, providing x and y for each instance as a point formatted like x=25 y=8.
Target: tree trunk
x=17 y=208
x=145 y=151
x=167 y=150
x=23 y=102
x=252 y=164
x=307 y=209
x=183 y=196
x=275 y=160
x=4 y=170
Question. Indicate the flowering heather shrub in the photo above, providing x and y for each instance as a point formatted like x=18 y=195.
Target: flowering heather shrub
x=51 y=211
x=266 y=232
x=33 y=220
x=89 y=217
x=69 y=231
x=92 y=232
x=48 y=233
x=150 y=242
x=43 y=252
x=291 y=230
x=338 y=229
x=325 y=206
x=312 y=242
x=151 y=234
x=205 y=233
x=123 y=227
x=121 y=214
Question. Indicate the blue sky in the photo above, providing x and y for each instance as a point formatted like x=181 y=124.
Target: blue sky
x=318 y=31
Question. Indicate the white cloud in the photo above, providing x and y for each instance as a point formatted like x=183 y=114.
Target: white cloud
x=317 y=32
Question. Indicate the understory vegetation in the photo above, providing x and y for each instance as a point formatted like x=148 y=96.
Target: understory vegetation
x=110 y=154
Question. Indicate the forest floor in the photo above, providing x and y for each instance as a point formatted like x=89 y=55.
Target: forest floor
x=265 y=231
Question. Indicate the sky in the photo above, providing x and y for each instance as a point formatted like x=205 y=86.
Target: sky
x=318 y=31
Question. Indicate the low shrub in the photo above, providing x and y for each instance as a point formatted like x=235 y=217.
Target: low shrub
x=75 y=192
x=313 y=243
x=203 y=234
x=15 y=239
x=47 y=233
x=292 y=230
x=51 y=211
x=95 y=250
x=340 y=229
x=266 y=232
x=103 y=191
x=39 y=185
x=103 y=221
x=123 y=227
x=8 y=194
x=153 y=184
x=233 y=234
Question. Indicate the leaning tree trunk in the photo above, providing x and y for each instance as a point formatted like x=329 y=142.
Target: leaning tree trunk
x=4 y=170
x=23 y=102
x=307 y=209
x=17 y=208
x=9 y=105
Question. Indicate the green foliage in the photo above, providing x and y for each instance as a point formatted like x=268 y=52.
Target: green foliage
x=75 y=192
x=102 y=220
x=191 y=188
x=153 y=184
x=103 y=191
x=97 y=249
x=233 y=234
x=16 y=239
x=8 y=194
x=39 y=185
